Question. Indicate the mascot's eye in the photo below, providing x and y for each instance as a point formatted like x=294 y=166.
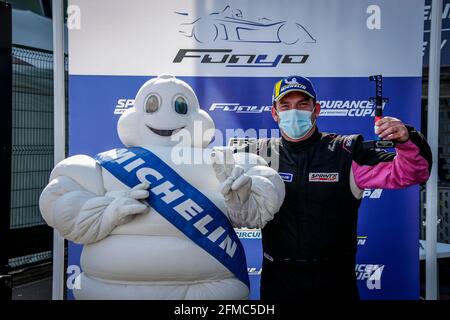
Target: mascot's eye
x=181 y=105
x=152 y=104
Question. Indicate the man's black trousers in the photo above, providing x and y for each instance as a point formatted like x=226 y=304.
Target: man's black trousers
x=292 y=280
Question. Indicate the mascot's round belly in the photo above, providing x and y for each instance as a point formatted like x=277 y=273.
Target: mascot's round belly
x=151 y=249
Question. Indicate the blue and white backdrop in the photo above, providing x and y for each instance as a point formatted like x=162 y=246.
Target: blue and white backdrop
x=231 y=52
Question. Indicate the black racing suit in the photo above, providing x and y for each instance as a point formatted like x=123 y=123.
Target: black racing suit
x=310 y=245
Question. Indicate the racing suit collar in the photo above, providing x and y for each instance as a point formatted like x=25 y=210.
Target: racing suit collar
x=301 y=145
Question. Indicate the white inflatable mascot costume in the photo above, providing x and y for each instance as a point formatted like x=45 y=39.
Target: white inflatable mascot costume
x=153 y=228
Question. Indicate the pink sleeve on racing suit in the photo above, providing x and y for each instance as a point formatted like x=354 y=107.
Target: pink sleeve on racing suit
x=407 y=168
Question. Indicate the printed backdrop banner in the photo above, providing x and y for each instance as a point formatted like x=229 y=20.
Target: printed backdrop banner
x=445 y=33
x=231 y=53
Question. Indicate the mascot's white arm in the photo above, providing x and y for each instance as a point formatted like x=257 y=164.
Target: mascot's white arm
x=253 y=191
x=75 y=202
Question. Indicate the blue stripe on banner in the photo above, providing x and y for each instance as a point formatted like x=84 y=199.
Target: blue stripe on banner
x=180 y=203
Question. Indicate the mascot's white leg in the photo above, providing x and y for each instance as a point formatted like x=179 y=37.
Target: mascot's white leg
x=92 y=288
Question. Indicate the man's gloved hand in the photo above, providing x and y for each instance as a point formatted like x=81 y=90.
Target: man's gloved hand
x=251 y=197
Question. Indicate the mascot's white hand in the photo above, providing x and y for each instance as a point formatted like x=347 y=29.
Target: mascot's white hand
x=235 y=184
x=253 y=197
x=138 y=192
x=100 y=215
x=126 y=202
x=85 y=217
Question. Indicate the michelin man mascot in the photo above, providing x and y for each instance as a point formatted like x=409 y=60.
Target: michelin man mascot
x=153 y=227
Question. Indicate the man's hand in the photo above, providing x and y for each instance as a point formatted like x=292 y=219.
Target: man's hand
x=390 y=128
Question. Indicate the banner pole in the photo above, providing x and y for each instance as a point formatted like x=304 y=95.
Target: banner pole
x=59 y=135
x=431 y=292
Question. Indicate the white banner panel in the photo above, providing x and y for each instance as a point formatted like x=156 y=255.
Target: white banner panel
x=318 y=38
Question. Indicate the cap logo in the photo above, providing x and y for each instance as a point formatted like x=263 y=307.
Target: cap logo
x=293 y=85
x=293 y=81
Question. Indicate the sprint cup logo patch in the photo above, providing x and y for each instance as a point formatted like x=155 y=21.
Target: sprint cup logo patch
x=324 y=177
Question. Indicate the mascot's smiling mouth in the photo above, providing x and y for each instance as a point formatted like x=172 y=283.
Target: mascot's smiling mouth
x=164 y=132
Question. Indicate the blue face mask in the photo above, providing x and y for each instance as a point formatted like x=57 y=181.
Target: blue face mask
x=295 y=123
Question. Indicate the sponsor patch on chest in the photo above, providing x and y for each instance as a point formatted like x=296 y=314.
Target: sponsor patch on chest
x=323 y=177
x=286 y=177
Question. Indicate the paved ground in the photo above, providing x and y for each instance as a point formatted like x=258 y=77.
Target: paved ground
x=36 y=284
x=36 y=290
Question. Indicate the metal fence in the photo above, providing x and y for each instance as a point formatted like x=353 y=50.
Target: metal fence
x=443 y=227
x=32 y=154
x=443 y=165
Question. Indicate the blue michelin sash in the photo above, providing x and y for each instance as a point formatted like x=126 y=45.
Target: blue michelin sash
x=187 y=209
